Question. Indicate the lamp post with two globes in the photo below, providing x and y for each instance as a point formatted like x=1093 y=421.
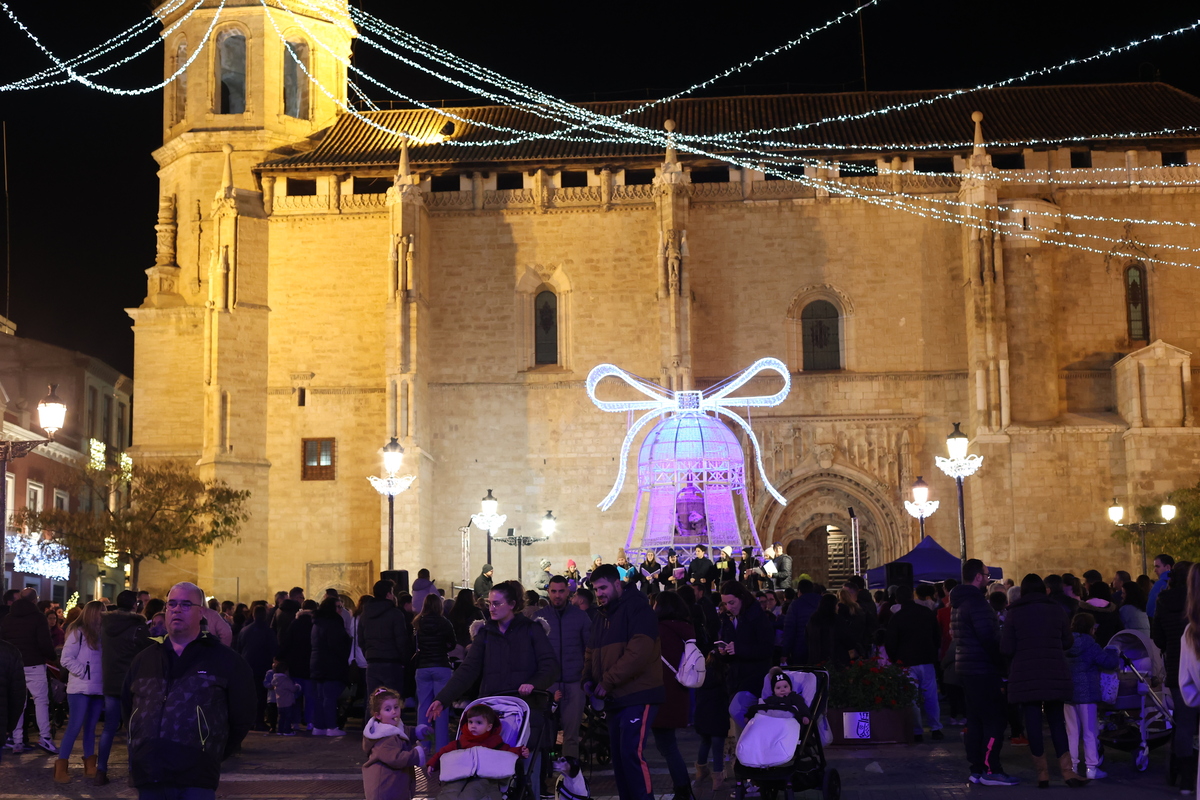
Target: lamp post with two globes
x=921 y=506
x=52 y=414
x=549 y=523
x=392 y=485
x=488 y=520
x=1115 y=512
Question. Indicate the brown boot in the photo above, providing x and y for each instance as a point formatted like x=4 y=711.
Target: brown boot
x=101 y=778
x=60 y=771
x=89 y=766
x=1043 y=771
x=718 y=780
x=702 y=772
x=1070 y=777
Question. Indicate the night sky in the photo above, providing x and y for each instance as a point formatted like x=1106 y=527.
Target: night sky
x=83 y=191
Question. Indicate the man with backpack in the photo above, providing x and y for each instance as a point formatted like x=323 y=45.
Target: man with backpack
x=622 y=667
x=570 y=628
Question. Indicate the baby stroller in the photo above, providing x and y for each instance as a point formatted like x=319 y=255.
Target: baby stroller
x=593 y=736
x=776 y=751
x=1136 y=717
x=497 y=765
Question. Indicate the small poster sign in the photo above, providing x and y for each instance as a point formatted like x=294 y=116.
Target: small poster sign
x=856 y=724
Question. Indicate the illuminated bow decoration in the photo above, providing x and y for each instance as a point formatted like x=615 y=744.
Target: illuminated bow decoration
x=662 y=401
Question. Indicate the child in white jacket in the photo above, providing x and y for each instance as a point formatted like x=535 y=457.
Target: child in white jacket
x=85 y=689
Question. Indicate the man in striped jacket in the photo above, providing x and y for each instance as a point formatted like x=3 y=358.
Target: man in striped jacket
x=622 y=667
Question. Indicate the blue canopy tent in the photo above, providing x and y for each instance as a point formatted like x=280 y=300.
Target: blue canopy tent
x=931 y=563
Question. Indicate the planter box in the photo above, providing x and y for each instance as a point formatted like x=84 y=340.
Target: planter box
x=892 y=726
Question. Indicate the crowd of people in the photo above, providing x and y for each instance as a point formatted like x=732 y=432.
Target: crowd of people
x=188 y=677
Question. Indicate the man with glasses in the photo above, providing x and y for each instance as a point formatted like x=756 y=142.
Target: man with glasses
x=190 y=701
x=511 y=654
x=976 y=629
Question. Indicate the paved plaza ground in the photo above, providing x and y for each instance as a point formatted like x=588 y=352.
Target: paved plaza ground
x=302 y=766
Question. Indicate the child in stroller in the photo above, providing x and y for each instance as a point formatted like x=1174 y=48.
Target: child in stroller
x=781 y=747
x=482 y=761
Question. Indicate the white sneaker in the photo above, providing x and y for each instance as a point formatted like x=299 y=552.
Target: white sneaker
x=1095 y=773
x=47 y=744
x=334 y=732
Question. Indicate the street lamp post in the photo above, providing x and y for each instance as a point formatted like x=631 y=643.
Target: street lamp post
x=921 y=506
x=549 y=523
x=488 y=520
x=958 y=466
x=392 y=485
x=52 y=413
x=1115 y=512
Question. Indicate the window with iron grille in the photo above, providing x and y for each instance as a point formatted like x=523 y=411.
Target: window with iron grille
x=1137 y=311
x=318 y=459
x=819 y=324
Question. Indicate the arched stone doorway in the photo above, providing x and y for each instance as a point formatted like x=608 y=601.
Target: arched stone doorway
x=814 y=527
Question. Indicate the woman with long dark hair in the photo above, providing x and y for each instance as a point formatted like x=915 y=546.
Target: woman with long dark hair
x=464 y=612
x=435 y=638
x=1036 y=635
x=674 y=629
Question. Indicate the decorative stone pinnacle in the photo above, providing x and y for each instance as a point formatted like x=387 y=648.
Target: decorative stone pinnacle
x=669 y=126
x=227 y=171
x=977 y=118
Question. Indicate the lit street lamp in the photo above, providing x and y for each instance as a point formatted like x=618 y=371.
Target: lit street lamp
x=1115 y=512
x=52 y=414
x=549 y=523
x=392 y=485
x=488 y=520
x=921 y=506
x=958 y=466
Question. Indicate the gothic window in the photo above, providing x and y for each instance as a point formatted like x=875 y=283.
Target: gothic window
x=1137 y=312
x=296 y=66
x=819 y=327
x=231 y=72
x=179 y=96
x=318 y=459
x=545 y=328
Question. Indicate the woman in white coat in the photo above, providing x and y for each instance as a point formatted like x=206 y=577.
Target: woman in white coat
x=1189 y=651
x=85 y=689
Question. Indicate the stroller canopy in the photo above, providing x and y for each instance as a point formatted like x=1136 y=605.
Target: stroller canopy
x=931 y=563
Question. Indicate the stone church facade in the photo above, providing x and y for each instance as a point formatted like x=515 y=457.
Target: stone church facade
x=320 y=289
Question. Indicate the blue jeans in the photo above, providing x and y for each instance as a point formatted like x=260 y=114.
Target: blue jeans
x=325 y=704
x=158 y=792
x=112 y=721
x=924 y=677
x=668 y=748
x=430 y=681
x=287 y=718
x=84 y=711
x=717 y=745
x=308 y=691
x=627 y=729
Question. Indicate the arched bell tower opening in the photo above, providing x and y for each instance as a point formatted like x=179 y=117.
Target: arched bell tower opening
x=815 y=527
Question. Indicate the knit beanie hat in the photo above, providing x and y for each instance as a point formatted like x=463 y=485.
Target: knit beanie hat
x=570 y=564
x=545 y=563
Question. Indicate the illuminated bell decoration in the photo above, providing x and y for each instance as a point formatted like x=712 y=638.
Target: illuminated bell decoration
x=691 y=464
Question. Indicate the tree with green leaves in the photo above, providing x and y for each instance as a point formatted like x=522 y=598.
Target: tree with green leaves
x=1179 y=538
x=139 y=512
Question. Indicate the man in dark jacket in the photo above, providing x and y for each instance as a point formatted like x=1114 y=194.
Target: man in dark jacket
x=511 y=654
x=123 y=634
x=976 y=630
x=622 y=667
x=385 y=638
x=783 y=568
x=25 y=627
x=483 y=584
x=189 y=701
x=258 y=644
x=570 y=629
x=795 y=624
x=12 y=687
x=701 y=571
x=913 y=639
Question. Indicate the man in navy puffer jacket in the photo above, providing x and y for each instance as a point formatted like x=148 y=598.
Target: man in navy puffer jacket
x=570 y=629
x=976 y=629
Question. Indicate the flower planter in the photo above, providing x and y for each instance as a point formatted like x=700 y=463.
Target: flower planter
x=890 y=726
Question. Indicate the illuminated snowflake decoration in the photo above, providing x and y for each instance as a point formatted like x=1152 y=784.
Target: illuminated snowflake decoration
x=36 y=556
x=921 y=510
x=959 y=467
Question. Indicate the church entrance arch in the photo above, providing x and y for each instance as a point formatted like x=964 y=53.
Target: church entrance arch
x=814 y=526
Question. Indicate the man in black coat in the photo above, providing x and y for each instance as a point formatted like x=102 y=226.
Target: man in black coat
x=385 y=638
x=913 y=639
x=12 y=687
x=795 y=624
x=783 y=568
x=483 y=583
x=189 y=702
x=258 y=644
x=123 y=634
x=976 y=630
x=25 y=627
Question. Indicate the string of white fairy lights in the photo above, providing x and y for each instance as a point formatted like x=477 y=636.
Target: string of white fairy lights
x=42 y=80
x=83 y=79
